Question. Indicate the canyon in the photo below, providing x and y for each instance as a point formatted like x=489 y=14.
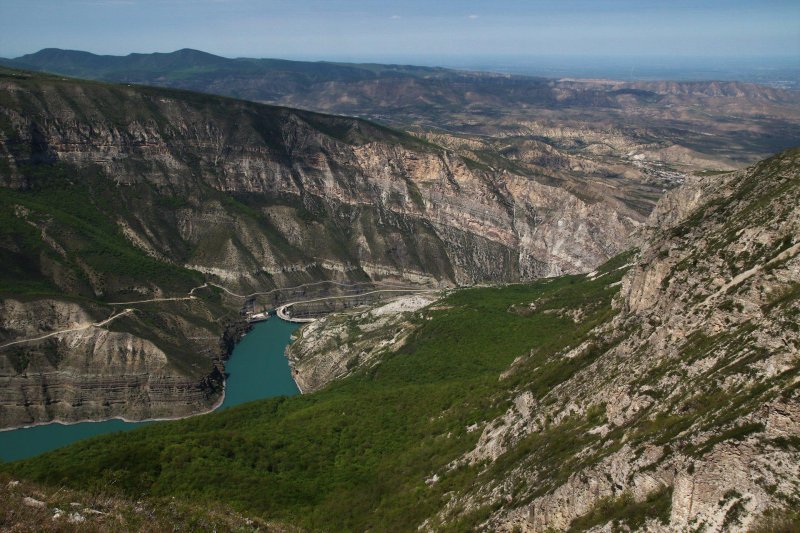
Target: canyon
x=686 y=412
x=114 y=195
x=658 y=392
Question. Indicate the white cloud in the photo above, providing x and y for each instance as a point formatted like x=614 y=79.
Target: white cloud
x=396 y=17
x=473 y=17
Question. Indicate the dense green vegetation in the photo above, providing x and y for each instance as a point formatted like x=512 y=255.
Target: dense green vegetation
x=77 y=210
x=356 y=455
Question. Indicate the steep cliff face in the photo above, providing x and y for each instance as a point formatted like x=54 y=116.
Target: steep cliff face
x=73 y=366
x=336 y=193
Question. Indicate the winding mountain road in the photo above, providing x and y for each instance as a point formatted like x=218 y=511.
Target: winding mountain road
x=281 y=311
x=245 y=296
x=70 y=330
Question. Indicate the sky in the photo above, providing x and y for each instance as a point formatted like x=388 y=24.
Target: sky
x=421 y=30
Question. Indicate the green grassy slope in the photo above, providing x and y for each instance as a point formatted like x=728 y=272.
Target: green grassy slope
x=355 y=456
x=77 y=211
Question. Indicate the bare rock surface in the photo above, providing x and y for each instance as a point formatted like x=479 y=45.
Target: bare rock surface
x=338 y=344
x=91 y=373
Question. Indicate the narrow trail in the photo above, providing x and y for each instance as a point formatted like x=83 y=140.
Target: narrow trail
x=176 y=299
x=245 y=296
x=70 y=330
x=189 y=296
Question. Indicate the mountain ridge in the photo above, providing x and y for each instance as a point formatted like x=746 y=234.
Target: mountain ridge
x=129 y=67
x=76 y=62
x=682 y=126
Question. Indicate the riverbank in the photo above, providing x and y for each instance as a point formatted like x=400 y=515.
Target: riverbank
x=257 y=369
x=217 y=404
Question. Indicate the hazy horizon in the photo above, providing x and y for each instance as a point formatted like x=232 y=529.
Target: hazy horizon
x=745 y=40
x=362 y=29
x=781 y=72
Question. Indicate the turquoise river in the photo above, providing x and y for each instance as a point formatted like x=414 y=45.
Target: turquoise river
x=257 y=369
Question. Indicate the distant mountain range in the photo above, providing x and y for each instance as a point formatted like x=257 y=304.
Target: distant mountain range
x=180 y=67
x=270 y=80
x=695 y=116
x=75 y=62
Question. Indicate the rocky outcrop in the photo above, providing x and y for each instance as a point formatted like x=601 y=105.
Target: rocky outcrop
x=90 y=373
x=339 y=344
x=703 y=379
